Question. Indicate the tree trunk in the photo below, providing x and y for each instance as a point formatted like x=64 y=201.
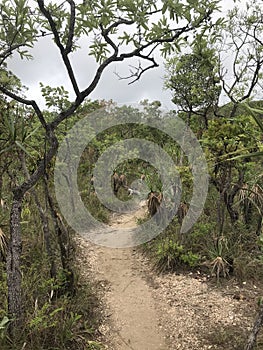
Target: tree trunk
x=1 y=183
x=13 y=265
x=43 y=218
x=63 y=242
x=259 y=225
x=47 y=235
x=256 y=328
x=229 y=201
x=13 y=268
x=220 y=213
x=230 y=194
x=247 y=212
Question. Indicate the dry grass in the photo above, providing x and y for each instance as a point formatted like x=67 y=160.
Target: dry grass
x=3 y=243
x=219 y=267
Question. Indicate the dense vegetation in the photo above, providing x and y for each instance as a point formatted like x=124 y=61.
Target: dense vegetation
x=44 y=304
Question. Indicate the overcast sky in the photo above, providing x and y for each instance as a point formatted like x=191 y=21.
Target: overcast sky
x=47 y=68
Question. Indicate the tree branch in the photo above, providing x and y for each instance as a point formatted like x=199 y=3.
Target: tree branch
x=64 y=51
x=8 y=52
x=71 y=26
x=19 y=191
x=26 y=102
x=137 y=72
x=115 y=58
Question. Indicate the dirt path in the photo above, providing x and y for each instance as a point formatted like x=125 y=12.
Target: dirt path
x=144 y=311
x=133 y=319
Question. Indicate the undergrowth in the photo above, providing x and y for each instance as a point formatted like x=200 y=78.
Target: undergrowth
x=55 y=317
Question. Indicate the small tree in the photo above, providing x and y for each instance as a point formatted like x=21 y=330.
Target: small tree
x=194 y=82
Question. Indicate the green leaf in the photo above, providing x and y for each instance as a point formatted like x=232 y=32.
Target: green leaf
x=254 y=112
x=23 y=148
x=56 y=311
x=4 y=322
x=249 y=155
x=32 y=132
x=165 y=6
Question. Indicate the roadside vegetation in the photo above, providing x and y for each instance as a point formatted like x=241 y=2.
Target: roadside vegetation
x=214 y=72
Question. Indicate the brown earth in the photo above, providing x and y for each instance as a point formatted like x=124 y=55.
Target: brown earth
x=146 y=311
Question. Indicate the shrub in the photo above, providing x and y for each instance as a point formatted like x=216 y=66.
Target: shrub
x=169 y=255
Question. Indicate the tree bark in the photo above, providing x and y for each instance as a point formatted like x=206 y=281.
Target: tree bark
x=63 y=242
x=229 y=201
x=44 y=220
x=256 y=328
x=13 y=265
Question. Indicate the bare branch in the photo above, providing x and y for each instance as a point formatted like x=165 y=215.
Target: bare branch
x=115 y=58
x=108 y=40
x=117 y=24
x=138 y=71
x=40 y=171
x=52 y=24
x=26 y=102
x=64 y=51
x=253 y=81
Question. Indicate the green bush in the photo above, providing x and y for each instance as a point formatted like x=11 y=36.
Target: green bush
x=169 y=255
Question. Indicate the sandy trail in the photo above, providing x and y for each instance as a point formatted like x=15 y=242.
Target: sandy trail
x=133 y=319
x=143 y=311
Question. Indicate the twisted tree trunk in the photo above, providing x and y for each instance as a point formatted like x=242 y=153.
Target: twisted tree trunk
x=13 y=265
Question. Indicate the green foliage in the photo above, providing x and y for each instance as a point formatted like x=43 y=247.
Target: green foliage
x=201 y=235
x=169 y=255
x=52 y=320
x=193 y=78
x=57 y=99
x=9 y=80
x=44 y=319
x=18 y=28
x=190 y=259
x=93 y=345
x=3 y=244
x=104 y=22
x=19 y=135
x=226 y=137
x=3 y=326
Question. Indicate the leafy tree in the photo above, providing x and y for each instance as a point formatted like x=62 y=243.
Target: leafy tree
x=193 y=80
x=223 y=141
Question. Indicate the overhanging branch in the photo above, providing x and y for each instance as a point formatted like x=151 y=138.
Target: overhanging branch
x=26 y=102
